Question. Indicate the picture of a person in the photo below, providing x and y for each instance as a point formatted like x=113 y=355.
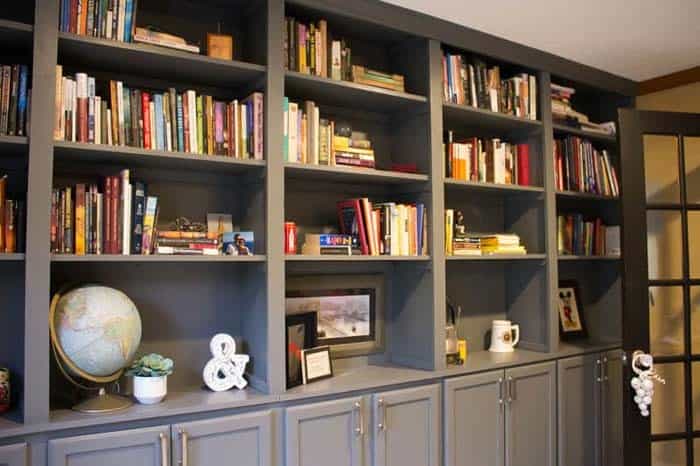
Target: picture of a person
x=241 y=247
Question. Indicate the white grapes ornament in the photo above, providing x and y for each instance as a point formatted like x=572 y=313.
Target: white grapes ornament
x=643 y=383
x=225 y=370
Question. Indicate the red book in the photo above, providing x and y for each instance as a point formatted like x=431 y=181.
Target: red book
x=107 y=214
x=74 y=16
x=524 y=164
x=349 y=215
x=114 y=214
x=146 y=111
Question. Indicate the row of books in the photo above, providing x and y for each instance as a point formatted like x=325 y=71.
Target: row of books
x=11 y=221
x=310 y=139
x=487 y=161
x=581 y=237
x=469 y=81
x=564 y=113
x=578 y=166
x=15 y=97
x=106 y=19
x=386 y=228
x=166 y=121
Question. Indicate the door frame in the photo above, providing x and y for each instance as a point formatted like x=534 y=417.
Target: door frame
x=633 y=124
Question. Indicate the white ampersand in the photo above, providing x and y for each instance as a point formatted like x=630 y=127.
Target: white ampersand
x=225 y=370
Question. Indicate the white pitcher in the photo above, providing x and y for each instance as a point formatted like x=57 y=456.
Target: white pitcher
x=504 y=336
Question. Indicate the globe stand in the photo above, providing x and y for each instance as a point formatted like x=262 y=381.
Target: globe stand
x=103 y=403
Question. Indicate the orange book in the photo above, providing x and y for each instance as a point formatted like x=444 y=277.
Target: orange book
x=80 y=219
x=10 y=227
x=3 y=194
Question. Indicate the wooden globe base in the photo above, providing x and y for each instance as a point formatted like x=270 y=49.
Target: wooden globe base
x=103 y=403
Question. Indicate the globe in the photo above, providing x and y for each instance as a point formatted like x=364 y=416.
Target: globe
x=95 y=332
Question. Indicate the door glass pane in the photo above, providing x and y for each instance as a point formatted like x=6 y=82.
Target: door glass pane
x=669 y=453
x=695 y=319
x=691 y=150
x=696 y=395
x=694 y=243
x=666 y=332
x=668 y=408
x=661 y=169
x=664 y=245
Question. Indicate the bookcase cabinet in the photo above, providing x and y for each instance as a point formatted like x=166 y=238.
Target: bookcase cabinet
x=185 y=300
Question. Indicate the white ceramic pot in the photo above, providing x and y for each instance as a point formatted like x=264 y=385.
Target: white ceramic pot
x=150 y=390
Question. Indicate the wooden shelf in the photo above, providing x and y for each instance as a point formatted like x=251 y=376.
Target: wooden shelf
x=350 y=174
x=492 y=187
x=486 y=122
x=157 y=62
x=14 y=146
x=586 y=196
x=589 y=258
x=356 y=258
x=498 y=258
x=563 y=130
x=154 y=258
x=13 y=257
x=347 y=94
x=136 y=157
x=14 y=33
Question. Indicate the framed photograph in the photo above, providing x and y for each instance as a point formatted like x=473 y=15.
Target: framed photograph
x=300 y=330
x=316 y=364
x=349 y=310
x=239 y=243
x=571 y=321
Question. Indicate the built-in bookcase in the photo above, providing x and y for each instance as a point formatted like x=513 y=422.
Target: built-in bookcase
x=185 y=300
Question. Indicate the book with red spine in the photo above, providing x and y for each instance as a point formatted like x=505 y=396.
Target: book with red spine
x=146 y=110
x=523 y=164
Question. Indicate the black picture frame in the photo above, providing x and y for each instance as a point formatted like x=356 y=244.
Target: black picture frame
x=295 y=343
x=572 y=323
x=305 y=366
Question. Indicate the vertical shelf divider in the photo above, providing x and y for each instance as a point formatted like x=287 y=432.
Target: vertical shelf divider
x=39 y=182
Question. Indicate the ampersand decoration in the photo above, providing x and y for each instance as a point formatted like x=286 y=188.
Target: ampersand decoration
x=225 y=370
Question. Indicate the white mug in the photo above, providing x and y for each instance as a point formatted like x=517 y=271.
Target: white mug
x=504 y=336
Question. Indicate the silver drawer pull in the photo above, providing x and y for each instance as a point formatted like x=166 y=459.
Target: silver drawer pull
x=381 y=411
x=183 y=447
x=360 y=429
x=164 y=454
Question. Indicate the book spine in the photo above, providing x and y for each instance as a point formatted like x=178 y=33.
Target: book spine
x=172 y=102
x=259 y=125
x=158 y=106
x=180 y=124
x=126 y=212
x=200 y=124
x=146 y=110
x=139 y=207
x=192 y=115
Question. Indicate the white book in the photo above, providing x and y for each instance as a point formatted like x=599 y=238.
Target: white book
x=126 y=212
x=109 y=127
x=533 y=97
x=336 y=58
x=316 y=135
x=499 y=161
x=120 y=24
x=73 y=110
x=192 y=111
x=58 y=130
x=612 y=241
x=293 y=141
x=109 y=19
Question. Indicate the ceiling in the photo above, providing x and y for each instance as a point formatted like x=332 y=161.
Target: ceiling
x=636 y=39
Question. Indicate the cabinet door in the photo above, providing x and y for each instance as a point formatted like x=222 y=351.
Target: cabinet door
x=406 y=427
x=579 y=380
x=473 y=420
x=137 y=447
x=612 y=393
x=13 y=455
x=531 y=415
x=243 y=440
x=327 y=433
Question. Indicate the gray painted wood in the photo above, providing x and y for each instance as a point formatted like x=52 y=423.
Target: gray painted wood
x=406 y=427
x=473 y=418
x=531 y=415
x=243 y=440
x=136 y=447
x=14 y=455
x=613 y=390
x=321 y=434
x=579 y=417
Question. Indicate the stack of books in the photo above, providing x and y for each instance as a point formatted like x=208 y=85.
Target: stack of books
x=162 y=39
x=581 y=237
x=166 y=121
x=578 y=166
x=392 y=82
x=469 y=81
x=113 y=19
x=501 y=244
x=310 y=139
x=385 y=228
x=487 y=161
x=460 y=242
x=188 y=243
x=563 y=113
x=11 y=221
x=15 y=100
x=330 y=244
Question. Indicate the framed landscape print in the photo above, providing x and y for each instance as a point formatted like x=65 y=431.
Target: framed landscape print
x=571 y=321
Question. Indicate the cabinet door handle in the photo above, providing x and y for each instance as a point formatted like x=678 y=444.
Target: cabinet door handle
x=604 y=369
x=183 y=448
x=500 y=392
x=599 y=370
x=360 y=429
x=511 y=390
x=381 y=411
x=164 y=455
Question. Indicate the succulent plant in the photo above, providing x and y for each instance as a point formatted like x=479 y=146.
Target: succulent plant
x=151 y=365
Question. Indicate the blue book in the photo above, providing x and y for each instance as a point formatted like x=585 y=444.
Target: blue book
x=180 y=128
x=158 y=104
x=285 y=142
x=65 y=15
x=128 y=18
x=22 y=100
x=138 y=211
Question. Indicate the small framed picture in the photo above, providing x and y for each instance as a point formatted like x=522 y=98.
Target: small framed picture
x=316 y=364
x=300 y=335
x=572 y=324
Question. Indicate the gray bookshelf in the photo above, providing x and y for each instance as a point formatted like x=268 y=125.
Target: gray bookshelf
x=185 y=300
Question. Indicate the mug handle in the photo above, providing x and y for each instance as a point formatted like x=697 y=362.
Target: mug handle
x=516 y=339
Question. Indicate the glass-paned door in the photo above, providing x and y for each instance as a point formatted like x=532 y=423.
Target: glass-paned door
x=660 y=155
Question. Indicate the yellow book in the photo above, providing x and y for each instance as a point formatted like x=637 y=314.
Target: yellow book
x=449 y=225
x=80 y=219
